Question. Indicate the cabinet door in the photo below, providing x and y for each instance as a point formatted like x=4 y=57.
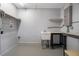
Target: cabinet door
x=75 y=12
x=0 y=33
x=56 y=39
x=68 y=16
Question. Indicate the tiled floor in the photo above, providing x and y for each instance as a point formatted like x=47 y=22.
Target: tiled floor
x=34 y=50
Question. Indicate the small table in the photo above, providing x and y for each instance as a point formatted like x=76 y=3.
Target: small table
x=71 y=53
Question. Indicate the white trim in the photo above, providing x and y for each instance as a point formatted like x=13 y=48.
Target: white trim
x=8 y=50
x=29 y=42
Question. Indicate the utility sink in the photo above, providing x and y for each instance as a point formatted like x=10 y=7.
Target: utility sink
x=45 y=35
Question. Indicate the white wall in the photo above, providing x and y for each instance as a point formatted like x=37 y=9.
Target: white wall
x=9 y=9
x=73 y=43
x=33 y=21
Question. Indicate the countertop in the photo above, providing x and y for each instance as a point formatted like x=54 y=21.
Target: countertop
x=74 y=35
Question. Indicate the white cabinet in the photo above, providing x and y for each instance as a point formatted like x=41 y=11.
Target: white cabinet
x=68 y=16
x=0 y=31
x=8 y=40
x=9 y=27
x=75 y=14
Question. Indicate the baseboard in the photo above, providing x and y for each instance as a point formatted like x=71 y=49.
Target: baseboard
x=29 y=42
x=8 y=50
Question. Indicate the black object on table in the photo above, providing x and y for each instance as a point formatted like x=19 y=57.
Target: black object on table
x=62 y=40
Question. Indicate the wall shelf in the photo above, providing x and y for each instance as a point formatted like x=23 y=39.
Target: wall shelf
x=56 y=20
x=54 y=27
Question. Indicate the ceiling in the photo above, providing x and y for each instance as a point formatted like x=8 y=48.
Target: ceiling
x=39 y=5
